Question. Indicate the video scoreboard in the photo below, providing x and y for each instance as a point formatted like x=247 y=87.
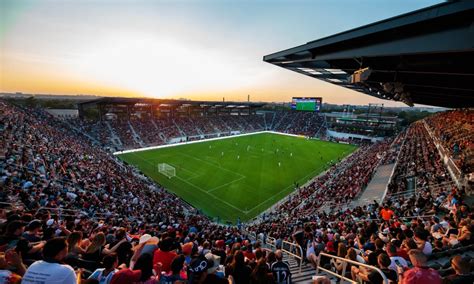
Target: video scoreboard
x=306 y=104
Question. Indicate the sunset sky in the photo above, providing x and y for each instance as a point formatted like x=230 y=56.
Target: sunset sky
x=175 y=49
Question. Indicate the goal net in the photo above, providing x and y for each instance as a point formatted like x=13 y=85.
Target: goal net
x=166 y=170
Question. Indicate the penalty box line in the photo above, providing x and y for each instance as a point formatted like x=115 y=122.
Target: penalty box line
x=212 y=164
x=199 y=188
x=275 y=195
x=208 y=193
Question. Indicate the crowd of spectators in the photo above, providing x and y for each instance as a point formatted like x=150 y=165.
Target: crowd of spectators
x=122 y=129
x=425 y=238
x=339 y=185
x=298 y=122
x=419 y=159
x=455 y=131
x=71 y=213
x=70 y=210
x=158 y=131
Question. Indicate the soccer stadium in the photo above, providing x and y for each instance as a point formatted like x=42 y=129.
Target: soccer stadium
x=142 y=189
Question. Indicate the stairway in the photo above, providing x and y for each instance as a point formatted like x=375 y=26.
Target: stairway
x=179 y=129
x=290 y=125
x=306 y=274
x=113 y=136
x=136 y=137
x=277 y=124
x=377 y=187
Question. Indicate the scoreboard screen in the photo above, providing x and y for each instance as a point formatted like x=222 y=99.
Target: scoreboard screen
x=306 y=104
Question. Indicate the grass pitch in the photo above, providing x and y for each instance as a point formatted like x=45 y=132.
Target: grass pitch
x=242 y=176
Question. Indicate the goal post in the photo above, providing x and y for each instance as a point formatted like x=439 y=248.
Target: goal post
x=167 y=170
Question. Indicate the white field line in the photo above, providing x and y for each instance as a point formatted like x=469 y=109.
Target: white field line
x=220 y=167
x=275 y=195
x=196 y=176
x=214 y=165
x=208 y=193
x=225 y=184
x=202 y=141
x=201 y=189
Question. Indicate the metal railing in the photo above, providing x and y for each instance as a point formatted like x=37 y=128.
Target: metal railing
x=344 y=267
x=293 y=249
x=58 y=211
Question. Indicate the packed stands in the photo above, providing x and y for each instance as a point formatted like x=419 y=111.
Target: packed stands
x=162 y=130
x=419 y=158
x=455 y=130
x=67 y=204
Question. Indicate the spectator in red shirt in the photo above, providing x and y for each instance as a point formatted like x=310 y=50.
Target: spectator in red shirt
x=248 y=253
x=420 y=273
x=164 y=255
x=386 y=213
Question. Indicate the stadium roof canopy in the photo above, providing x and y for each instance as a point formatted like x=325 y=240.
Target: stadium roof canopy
x=167 y=103
x=424 y=57
x=114 y=104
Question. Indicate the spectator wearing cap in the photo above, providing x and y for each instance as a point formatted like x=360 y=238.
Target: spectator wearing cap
x=462 y=274
x=50 y=270
x=150 y=246
x=420 y=273
x=138 y=249
x=213 y=275
x=164 y=254
x=146 y=244
x=197 y=269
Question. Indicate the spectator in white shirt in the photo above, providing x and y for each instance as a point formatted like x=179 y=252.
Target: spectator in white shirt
x=50 y=270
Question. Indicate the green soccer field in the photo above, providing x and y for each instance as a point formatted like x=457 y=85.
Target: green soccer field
x=242 y=176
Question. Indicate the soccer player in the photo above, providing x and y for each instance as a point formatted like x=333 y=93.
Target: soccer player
x=291 y=154
x=238 y=157
x=279 y=164
x=222 y=154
